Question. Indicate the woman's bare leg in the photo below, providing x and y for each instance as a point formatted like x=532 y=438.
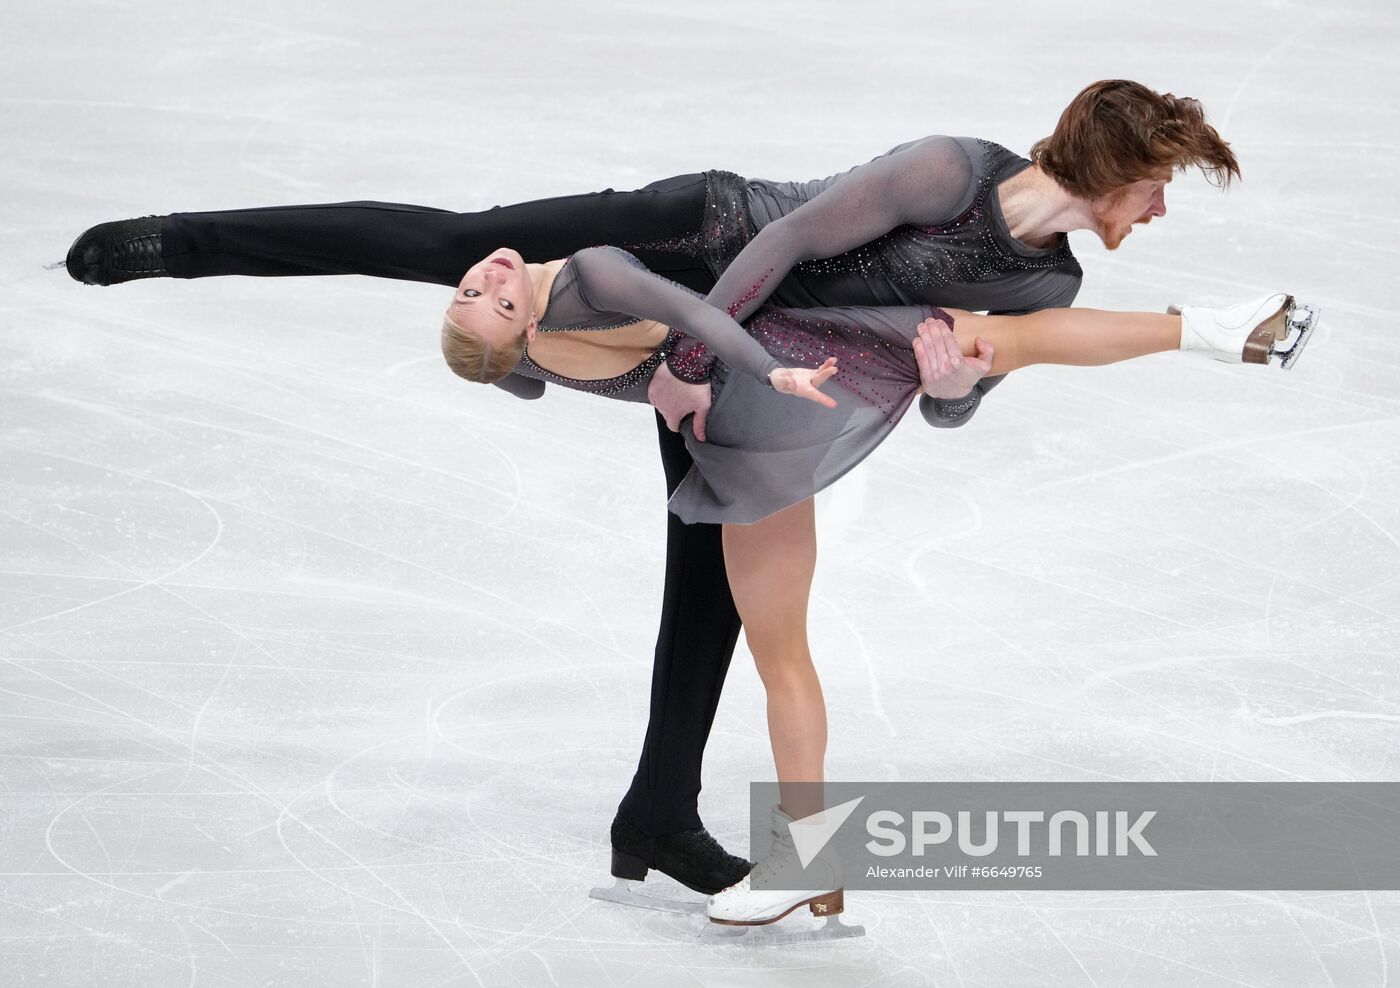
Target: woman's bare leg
x=770 y=566
x=1083 y=337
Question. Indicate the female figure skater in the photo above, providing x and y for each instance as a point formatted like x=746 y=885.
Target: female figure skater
x=944 y=220
x=599 y=322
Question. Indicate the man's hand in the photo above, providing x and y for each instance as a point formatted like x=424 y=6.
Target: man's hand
x=943 y=370
x=675 y=399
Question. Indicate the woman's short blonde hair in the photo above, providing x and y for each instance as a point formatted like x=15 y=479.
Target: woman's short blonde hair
x=472 y=358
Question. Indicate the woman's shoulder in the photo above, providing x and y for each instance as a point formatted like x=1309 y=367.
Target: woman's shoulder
x=600 y=278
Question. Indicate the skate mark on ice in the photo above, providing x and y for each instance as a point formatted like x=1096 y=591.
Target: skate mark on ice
x=153 y=581
x=1263 y=60
x=1289 y=721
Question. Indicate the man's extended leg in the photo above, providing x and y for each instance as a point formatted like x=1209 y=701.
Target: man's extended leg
x=660 y=223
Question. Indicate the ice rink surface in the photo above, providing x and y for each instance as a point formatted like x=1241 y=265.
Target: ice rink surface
x=323 y=668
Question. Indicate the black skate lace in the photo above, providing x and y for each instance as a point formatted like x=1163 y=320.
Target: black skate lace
x=139 y=255
x=710 y=850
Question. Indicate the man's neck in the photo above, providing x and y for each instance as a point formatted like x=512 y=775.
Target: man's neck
x=1038 y=209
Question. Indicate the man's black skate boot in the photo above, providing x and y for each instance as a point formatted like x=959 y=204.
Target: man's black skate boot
x=691 y=857
x=111 y=253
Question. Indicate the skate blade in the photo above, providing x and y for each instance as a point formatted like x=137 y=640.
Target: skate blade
x=624 y=893
x=771 y=936
x=1302 y=323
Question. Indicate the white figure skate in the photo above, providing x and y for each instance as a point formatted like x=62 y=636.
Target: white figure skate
x=1252 y=332
x=742 y=914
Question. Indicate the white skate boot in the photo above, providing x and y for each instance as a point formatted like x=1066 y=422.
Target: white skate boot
x=1251 y=332
x=743 y=907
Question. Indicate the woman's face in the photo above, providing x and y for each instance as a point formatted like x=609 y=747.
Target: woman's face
x=495 y=298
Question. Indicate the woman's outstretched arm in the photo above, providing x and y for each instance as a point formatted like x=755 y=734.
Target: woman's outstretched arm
x=612 y=280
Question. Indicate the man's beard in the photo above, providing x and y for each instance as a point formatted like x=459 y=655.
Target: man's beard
x=1112 y=240
x=1102 y=218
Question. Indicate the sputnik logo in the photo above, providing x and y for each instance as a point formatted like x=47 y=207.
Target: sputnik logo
x=812 y=833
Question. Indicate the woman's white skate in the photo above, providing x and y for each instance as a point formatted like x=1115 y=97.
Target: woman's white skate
x=762 y=910
x=1252 y=332
x=743 y=914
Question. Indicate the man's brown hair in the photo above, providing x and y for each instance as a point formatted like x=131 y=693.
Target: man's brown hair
x=1116 y=132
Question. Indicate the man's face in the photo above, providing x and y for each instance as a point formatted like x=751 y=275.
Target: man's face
x=1116 y=214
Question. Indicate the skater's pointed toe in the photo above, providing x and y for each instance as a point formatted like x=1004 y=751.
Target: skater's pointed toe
x=111 y=253
x=82 y=259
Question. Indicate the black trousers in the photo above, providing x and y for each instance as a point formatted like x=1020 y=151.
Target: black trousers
x=699 y=624
x=657 y=223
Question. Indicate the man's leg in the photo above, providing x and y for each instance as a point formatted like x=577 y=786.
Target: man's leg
x=699 y=627
x=658 y=823
x=660 y=223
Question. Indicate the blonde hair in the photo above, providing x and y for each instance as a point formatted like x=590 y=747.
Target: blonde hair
x=474 y=359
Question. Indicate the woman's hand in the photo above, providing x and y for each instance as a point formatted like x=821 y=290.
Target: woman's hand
x=804 y=382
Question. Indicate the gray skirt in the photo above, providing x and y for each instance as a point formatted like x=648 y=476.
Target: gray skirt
x=764 y=450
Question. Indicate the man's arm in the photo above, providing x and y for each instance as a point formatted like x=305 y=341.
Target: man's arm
x=928 y=182
x=949 y=413
x=952 y=384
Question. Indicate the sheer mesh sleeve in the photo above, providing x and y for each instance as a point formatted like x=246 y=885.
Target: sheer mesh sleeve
x=690 y=360
x=927 y=182
x=521 y=386
x=612 y=280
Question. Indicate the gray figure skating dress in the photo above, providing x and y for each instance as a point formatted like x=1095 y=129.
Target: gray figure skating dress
x=765 y=450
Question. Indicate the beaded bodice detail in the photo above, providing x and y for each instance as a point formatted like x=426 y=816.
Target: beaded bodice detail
x=570 y=309
x=970 y=247
x=630 y=385
x=969 y=261
x=604 y=288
